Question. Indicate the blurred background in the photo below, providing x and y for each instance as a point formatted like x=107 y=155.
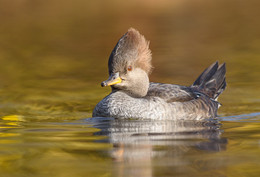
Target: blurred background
x=54 y=53
x=53 y=57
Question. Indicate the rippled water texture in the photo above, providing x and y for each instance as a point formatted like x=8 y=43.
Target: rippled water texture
x=53 y=57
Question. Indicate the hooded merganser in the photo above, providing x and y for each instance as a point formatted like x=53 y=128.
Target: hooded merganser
x=133 y=96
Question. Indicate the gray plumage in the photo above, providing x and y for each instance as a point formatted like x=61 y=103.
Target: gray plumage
x=133 y=96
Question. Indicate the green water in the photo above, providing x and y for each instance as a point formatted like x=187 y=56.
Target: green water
x=53 y=57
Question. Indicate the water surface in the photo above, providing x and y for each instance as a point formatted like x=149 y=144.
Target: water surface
x=53 y=57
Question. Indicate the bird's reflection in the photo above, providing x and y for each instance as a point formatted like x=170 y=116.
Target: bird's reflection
x=136 y=143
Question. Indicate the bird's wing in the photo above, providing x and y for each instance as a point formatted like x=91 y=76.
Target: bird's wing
x=171 y=93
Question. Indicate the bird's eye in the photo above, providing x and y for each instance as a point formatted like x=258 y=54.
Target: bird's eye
x=129 y=68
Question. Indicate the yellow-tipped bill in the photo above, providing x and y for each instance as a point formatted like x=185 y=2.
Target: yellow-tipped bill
x=112 y=80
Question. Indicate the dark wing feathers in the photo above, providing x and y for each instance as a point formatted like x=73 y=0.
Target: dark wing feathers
x=171 y=93
x=211 y=82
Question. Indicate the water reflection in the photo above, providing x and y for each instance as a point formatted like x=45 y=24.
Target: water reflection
x=30 y=148
x=137 y=143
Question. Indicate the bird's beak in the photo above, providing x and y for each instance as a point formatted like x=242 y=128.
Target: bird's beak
x=112 y=80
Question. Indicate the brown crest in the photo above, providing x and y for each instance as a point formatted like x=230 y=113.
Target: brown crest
x=144 y=55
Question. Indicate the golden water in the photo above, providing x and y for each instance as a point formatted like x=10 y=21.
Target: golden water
x=53 y=57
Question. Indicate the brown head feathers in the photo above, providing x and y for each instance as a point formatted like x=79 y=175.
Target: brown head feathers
x=131 y=49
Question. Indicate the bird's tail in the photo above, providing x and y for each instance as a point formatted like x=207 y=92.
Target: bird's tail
x=212 y=81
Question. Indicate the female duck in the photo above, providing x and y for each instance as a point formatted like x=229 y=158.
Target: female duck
x=133 y=96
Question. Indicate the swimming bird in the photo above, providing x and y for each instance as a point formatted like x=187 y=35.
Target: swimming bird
x=134 y=96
